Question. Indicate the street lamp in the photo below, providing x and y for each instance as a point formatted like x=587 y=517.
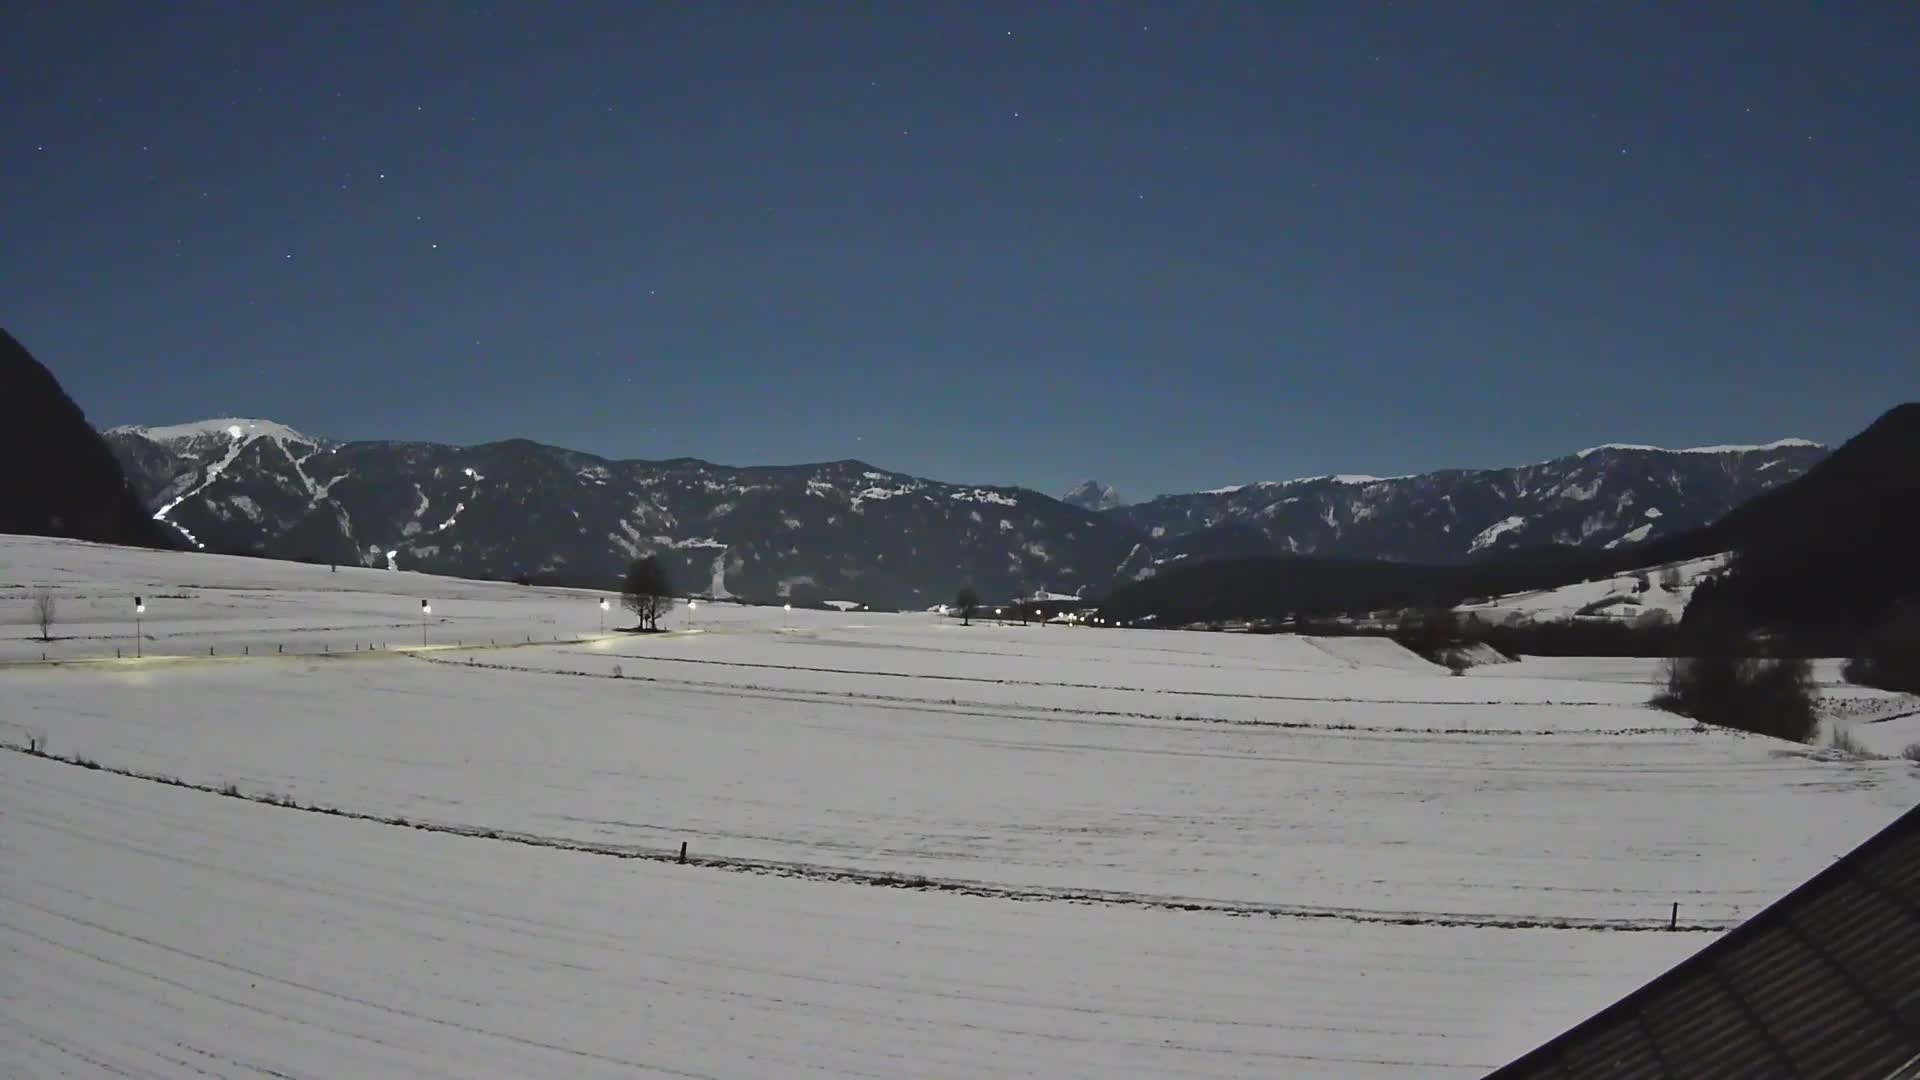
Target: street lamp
x=139 y=609
x=603 y=614
x=426 y=609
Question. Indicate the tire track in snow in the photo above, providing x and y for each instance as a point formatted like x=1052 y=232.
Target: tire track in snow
x=925 y=883
x=1234 y=694
x=957 y=707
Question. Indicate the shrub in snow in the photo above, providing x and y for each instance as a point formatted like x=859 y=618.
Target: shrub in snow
x=1844 y=742
x=1890 y=657
x=1655 y=619
x=45 y=611
x=1767 y=697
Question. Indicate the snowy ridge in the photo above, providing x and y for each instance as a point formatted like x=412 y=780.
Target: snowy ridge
x=1777 y=444
x=232 y=427
x=1354 y=479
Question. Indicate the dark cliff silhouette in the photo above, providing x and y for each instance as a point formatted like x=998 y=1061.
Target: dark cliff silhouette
x=57 y=477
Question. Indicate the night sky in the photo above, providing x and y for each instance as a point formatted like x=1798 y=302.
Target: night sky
x=1172 y=247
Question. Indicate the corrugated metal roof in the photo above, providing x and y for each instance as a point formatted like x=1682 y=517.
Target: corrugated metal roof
x=1823 y=983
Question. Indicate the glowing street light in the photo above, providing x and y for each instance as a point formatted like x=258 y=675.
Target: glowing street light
x=139 y=609
x=426 y=609
x=603 y=614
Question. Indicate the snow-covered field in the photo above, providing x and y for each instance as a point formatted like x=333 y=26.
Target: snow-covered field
x=1111 y=852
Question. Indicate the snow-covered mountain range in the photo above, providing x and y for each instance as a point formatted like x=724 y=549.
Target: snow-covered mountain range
x=1605 y=496
x=514 y=509
x=848 y=530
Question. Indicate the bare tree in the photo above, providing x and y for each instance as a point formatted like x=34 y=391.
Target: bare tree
x=647 y=591
x=968 y=602
x=45 y=611
x=1670 y=579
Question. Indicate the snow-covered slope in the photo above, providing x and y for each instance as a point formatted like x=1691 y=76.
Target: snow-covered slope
x=1623 y=597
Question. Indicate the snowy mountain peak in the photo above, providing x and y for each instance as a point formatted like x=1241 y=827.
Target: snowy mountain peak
x=1093 y=495
x=238 y=428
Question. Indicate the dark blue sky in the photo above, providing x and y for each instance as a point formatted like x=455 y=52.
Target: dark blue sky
x=1168 y=246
